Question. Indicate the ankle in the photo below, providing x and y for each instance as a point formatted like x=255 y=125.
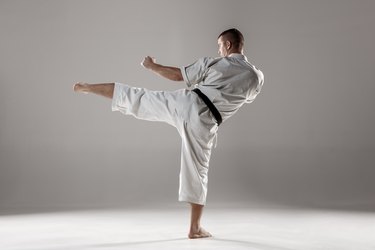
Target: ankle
x=195 y=227
x=84 y=88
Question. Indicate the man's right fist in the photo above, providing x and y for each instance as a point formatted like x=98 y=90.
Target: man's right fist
x=80 y=87
x=148 y=62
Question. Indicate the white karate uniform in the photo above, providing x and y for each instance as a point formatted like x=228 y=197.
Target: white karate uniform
x=228 y=82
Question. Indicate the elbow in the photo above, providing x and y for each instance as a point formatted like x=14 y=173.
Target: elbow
x=178 y=78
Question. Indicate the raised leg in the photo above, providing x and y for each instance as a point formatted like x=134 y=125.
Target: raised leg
x=102 y=89
x=196 y=231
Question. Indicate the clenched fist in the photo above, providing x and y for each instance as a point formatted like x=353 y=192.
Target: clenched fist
x=148 y=62
x=80 y=87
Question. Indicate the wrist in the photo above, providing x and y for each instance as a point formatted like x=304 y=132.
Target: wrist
x=153 y=66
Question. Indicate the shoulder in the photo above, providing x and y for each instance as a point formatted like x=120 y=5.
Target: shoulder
x=258 y=73
x=208 y=61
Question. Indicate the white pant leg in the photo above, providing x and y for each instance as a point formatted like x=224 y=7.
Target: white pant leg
x=195 y=157
x=190 y=116
x=145 y=104
x=198 y=133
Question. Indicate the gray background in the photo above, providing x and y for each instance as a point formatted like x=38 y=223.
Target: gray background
x=307 y=140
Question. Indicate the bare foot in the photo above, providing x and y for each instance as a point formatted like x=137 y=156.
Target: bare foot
x=80 y=87
x=200 y=233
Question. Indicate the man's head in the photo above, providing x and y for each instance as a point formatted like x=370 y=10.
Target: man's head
x=230 y=41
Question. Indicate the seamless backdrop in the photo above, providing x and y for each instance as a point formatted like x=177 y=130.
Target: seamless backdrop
x=307 y=140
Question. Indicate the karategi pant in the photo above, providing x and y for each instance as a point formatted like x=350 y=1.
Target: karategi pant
x=196 y=125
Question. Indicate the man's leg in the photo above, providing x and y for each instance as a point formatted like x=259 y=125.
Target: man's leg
x=195 y=156
x=196 y=231
x=102 y=89
x=107 y=90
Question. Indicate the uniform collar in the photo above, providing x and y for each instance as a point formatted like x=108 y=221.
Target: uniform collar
x=238 y=56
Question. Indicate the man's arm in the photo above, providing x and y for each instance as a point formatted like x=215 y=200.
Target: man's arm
x=171 y=73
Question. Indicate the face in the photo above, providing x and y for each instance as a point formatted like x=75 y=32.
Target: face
x=223 y=47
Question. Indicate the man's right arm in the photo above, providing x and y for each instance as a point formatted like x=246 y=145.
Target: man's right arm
x=171 y=73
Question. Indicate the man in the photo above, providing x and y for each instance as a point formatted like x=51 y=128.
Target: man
x=221 y=86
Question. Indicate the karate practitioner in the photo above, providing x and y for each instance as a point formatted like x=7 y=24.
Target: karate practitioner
x=220 y=86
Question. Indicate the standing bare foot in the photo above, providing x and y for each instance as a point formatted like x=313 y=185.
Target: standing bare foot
x=199 y=233
x=196 y=231
x=81 y=87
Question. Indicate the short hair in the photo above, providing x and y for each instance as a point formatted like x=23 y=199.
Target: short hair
x=234 y=36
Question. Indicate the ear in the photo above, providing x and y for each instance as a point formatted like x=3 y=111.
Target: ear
x=228 y=45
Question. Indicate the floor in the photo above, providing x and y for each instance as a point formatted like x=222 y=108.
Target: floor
x=250 y=228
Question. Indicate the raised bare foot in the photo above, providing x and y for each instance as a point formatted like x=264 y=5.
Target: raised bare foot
x=80 y=87
x=200 y=233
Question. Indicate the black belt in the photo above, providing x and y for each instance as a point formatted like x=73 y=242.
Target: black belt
x=210 y=106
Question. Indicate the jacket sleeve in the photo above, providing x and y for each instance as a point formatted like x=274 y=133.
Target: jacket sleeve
x=195 y=72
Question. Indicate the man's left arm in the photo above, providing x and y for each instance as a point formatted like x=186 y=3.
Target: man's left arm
x=171 y=73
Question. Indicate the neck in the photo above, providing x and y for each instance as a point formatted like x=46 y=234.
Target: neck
x=237 y=51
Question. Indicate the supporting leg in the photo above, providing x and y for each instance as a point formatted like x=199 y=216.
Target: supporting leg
x=102 y=89
x=196 y=231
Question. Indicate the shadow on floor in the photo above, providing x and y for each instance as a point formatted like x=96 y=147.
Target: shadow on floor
x=206 y=241
x=133 y=243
